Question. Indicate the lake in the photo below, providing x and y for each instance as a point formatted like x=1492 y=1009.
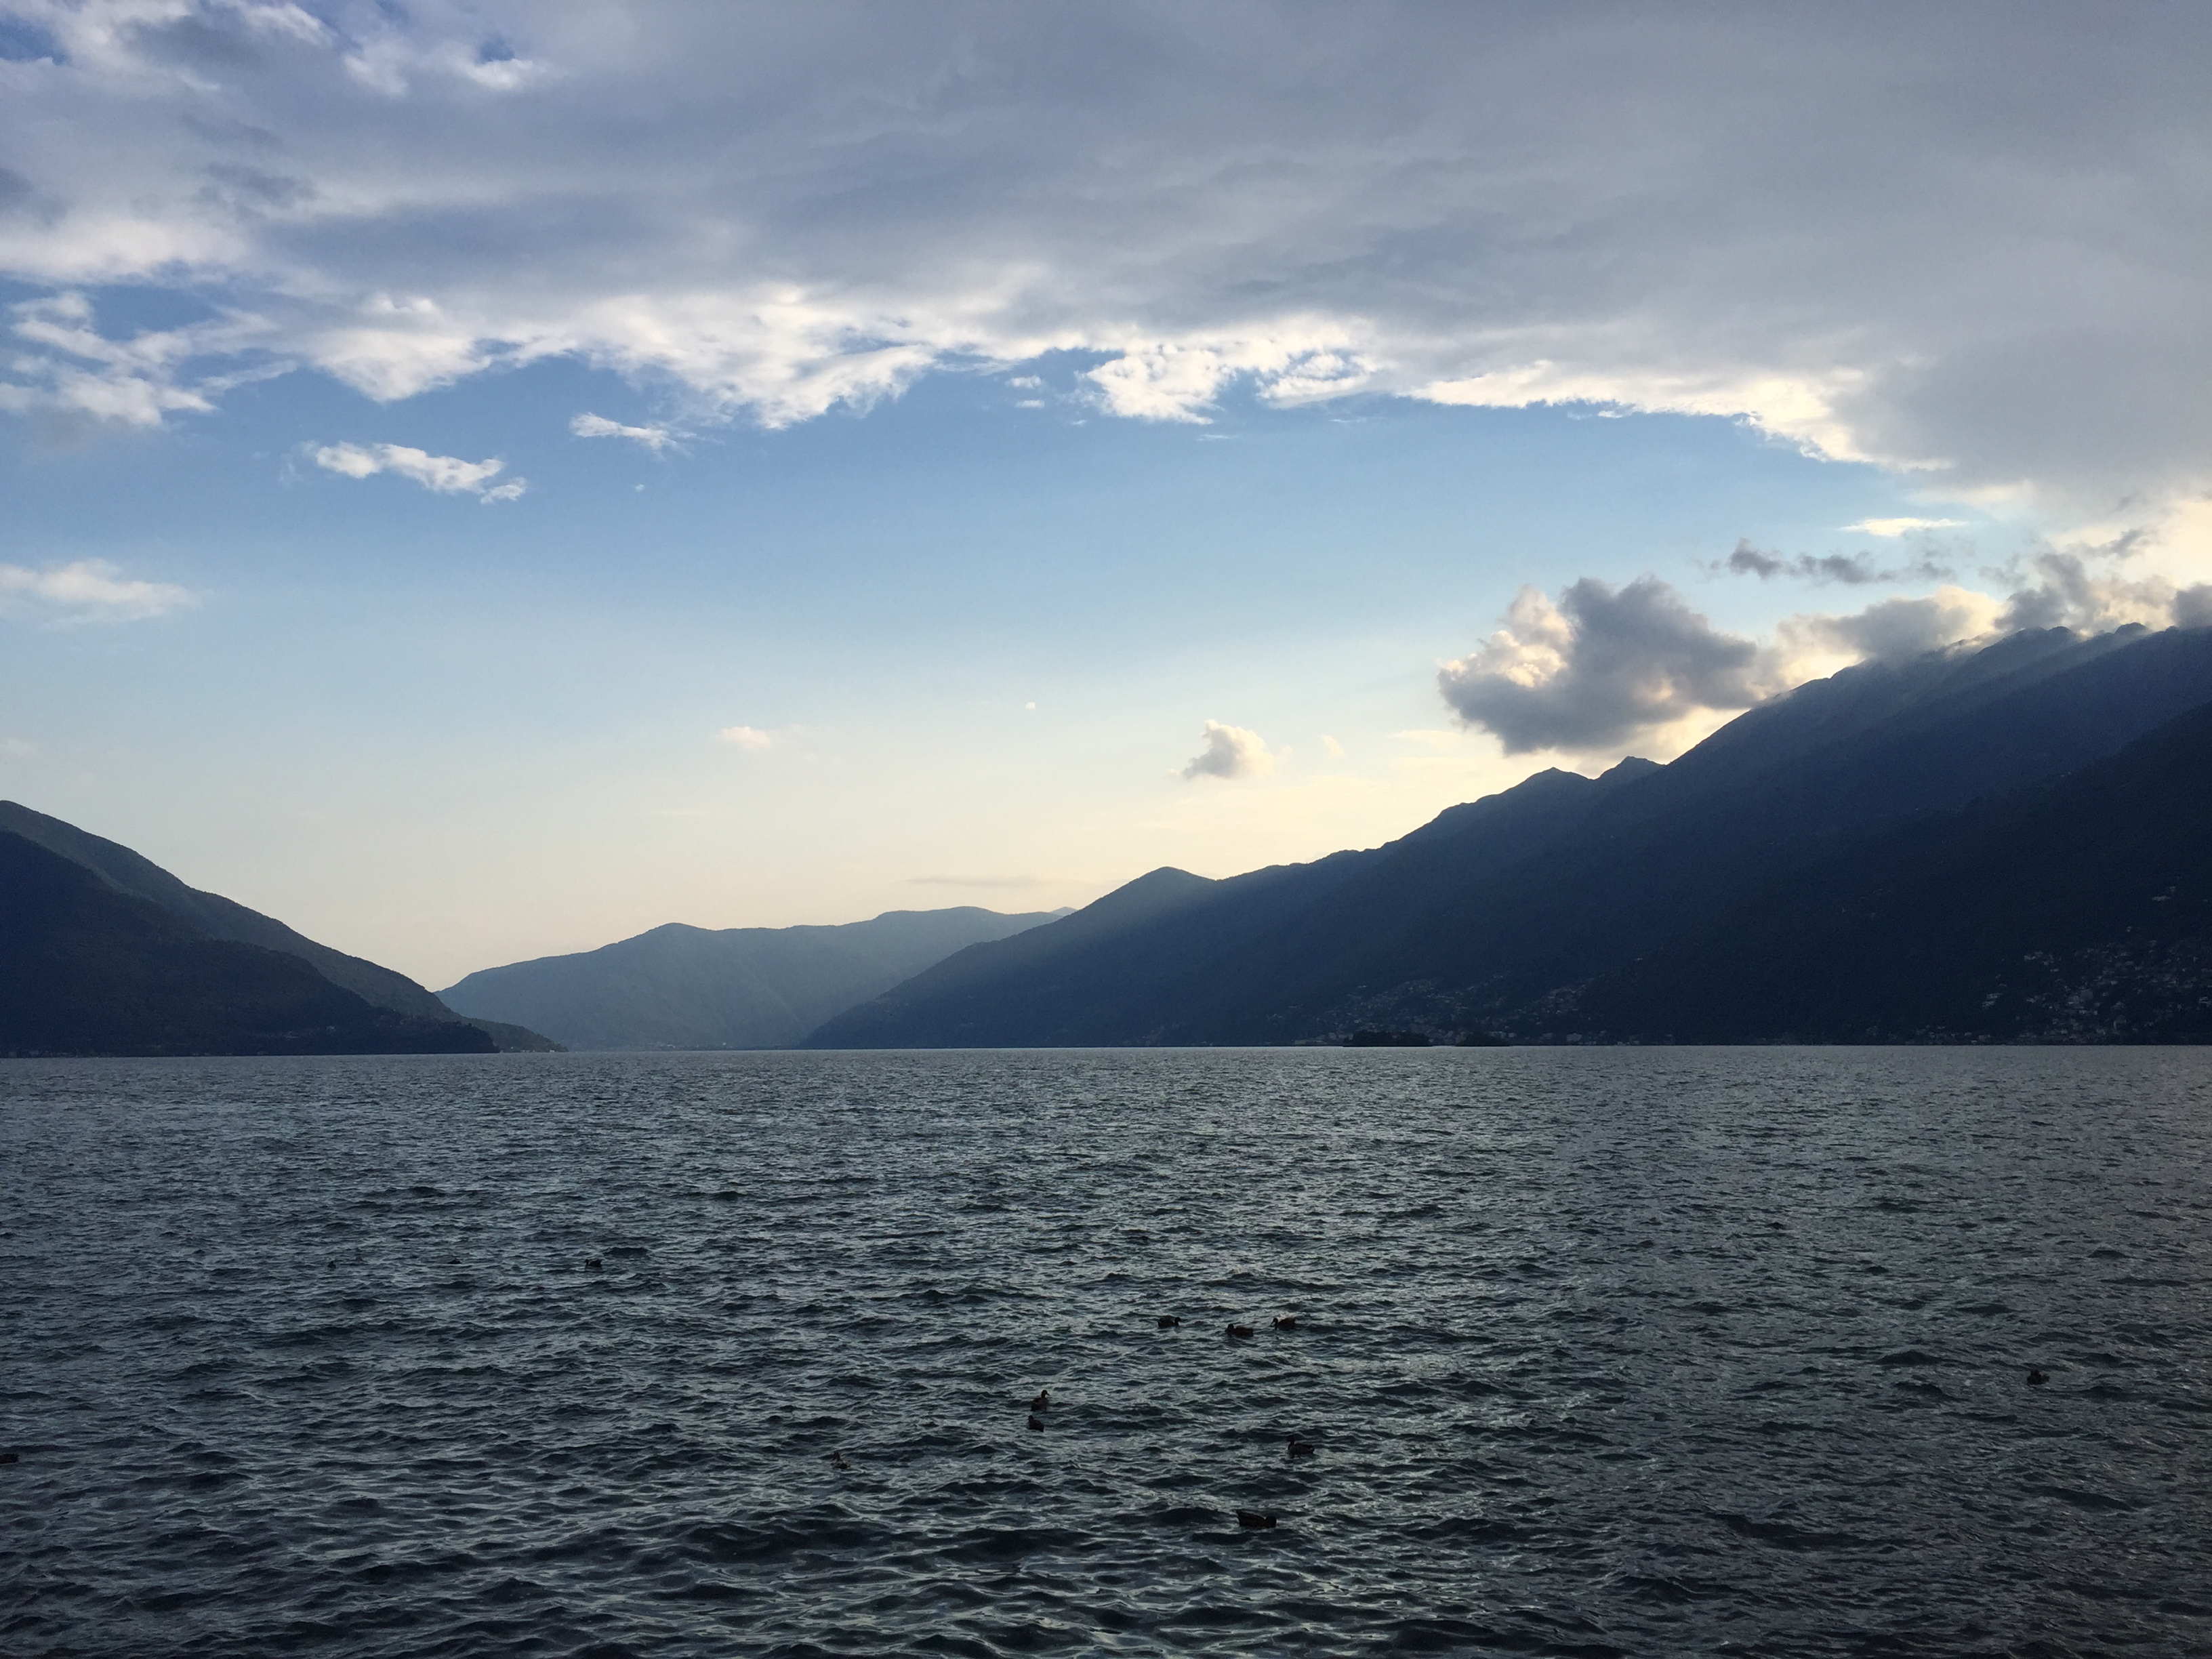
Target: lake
x=1600 y=1352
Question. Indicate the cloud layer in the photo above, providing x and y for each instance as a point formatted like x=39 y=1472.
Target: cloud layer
x=1964 y=240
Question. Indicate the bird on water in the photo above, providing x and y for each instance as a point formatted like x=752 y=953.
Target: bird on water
x=837 y=1461
x=1037 y=1422
x=1301 y=1448
x=1043 y=1399
x=1240 y=1330
x=1167 y=1320
x=1254 y=1518
x=2037 y=1379
x=1289 y=1324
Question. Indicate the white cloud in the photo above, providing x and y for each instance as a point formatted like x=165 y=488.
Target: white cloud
x=1331 y=747
x=773 y=212
x=1803 y=406
x=446 y=475
x=1231 y=751
x=751 y=739
x=89 y=590
x=655 y=438
x=1903 y=526
x=1170 y=380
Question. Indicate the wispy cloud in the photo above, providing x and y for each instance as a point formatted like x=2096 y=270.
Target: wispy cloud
x=64 y=366
x=1851 y=570
x=1231 y=751
x=752 y=739
x=446 y=475
x=655 y=438
x=1890 y=527
x=1007 y=883
x=89 y=590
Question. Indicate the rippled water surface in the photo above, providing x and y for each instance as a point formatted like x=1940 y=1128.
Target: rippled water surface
x=1604 y=1352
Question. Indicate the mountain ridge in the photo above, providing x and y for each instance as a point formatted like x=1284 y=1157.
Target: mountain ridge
x=89 y=968
x=2078 y=909
x=1496 y=905
x=680 y=987
x=221 y=918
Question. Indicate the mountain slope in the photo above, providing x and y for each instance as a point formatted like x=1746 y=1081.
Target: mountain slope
x=220 y=918
x=89 y=969
x=678 y=986
x=1480 y=916
x=2079 y=910
x=1170 y=957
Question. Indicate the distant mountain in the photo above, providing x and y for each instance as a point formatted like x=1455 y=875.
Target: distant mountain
x=1502 y=914
x=213 y=916
x=737 y=988
x=87 y=967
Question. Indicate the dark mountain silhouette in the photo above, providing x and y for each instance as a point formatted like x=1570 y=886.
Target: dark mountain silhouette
x=217 y=917
x=1498 y=914
x=2074 y=910
x=737 y=987
x=87 y=967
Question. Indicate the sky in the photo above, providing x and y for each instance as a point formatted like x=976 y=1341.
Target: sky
x=478 y=481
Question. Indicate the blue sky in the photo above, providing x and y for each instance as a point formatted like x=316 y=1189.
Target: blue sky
x=978 y=458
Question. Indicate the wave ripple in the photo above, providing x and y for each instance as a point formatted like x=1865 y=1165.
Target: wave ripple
x=1600 y=1353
